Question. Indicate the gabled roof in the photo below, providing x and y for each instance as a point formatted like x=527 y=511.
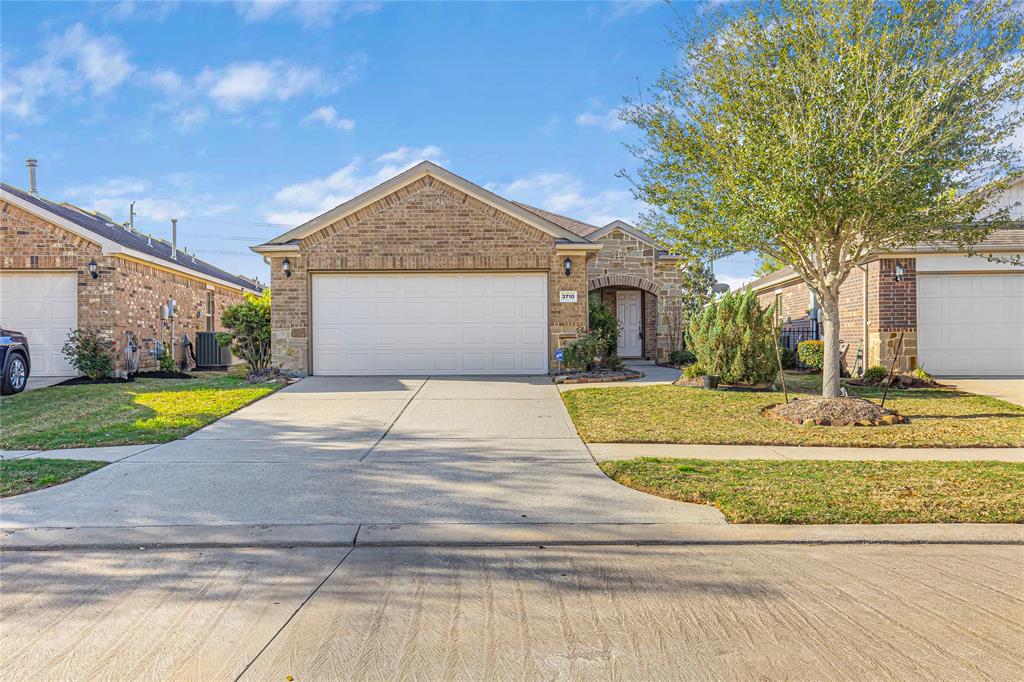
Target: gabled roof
x=420 y=170
x=116 y=239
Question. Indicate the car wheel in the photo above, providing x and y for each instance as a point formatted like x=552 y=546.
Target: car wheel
x=15 y=374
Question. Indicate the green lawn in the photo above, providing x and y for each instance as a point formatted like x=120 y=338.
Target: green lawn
x=19 y=476
x=816 y=491
x=143 y=411
x=676 y=414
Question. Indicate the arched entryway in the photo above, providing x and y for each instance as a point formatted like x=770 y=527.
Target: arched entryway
x=634 y=300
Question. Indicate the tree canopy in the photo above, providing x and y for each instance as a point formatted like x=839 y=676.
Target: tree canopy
x=814 y=132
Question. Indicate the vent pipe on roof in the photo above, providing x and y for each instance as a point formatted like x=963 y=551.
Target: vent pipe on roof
x=32 y=163
x=174 y=239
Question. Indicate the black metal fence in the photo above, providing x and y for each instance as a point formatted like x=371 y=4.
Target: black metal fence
x=792 y=334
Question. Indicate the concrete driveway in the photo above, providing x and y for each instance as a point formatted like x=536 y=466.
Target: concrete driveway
x=1009 y=389
x=364 y=450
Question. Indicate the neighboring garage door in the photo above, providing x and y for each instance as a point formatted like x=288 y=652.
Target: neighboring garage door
x=43 y=306
x=971 y=324
x=430 y=323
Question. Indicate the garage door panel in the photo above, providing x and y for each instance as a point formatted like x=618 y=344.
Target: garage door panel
x=430 y=323
x=971 y=324
x=43 y=306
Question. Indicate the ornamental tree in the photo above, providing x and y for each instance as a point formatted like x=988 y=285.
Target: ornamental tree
x=248 y=325
x=815 y=132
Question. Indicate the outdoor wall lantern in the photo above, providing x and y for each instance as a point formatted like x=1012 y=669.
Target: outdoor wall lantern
x=93 y=269
x=568 y=266
x=898 y=276
x=286 y=266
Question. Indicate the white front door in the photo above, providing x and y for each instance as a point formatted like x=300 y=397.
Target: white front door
x=627 y=310
x=430 y=323
x=44 y=307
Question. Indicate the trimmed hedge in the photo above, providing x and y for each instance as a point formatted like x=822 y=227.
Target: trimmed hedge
x=811 y=353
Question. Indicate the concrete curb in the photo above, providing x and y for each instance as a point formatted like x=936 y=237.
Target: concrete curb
x=177 y=537
x=496 y=535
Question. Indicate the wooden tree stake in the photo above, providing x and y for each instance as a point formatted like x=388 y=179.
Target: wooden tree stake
x=892 y=367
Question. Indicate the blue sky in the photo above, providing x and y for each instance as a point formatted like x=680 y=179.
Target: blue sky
x=244 y=119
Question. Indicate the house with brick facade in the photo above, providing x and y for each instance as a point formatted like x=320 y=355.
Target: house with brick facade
x=958 y=314
x=64 y=268
x=429 y=273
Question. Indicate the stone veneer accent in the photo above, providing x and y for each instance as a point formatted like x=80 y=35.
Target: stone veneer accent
x=625 y=262
x=128 y=293
x=426 y=225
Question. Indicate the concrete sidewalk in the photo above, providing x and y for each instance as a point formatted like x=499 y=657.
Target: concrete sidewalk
x=604 y=452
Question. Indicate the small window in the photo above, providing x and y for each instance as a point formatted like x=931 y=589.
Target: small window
x=209 y=311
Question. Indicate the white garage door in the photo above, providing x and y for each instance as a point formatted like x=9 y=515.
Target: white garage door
x=43 y=306
x=431 y=323
x=971 y=324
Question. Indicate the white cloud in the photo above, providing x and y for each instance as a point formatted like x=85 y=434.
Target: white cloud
x=295 y=204
x=567 y=195
x=168 y=81
x=608 y=121
x=190 y=119
x=73 y=61
x=311 y=13
x=174 y=196
x=147 y=10
x=328 y=116
x=620 y=9
x=240 y=84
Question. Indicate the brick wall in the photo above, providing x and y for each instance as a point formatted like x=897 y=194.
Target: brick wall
x=126 y=296
x=426 y=225
x=139 y=292
x=891 y=308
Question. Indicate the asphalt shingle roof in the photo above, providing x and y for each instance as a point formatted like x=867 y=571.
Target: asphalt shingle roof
x=575 y=226
x=130 y=239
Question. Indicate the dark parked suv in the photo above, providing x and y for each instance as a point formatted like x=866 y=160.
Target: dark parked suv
x=15 y=360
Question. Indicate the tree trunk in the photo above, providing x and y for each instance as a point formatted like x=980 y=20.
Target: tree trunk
x=830 y=368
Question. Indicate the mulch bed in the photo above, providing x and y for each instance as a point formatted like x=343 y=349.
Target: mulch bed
x=597 y=376
x=157 y=374
x=834 y=412
x=697 y=382
x=898 y=381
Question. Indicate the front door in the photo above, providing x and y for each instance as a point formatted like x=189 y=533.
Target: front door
x=627 y=310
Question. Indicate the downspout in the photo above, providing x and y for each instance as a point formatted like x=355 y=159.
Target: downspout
x=864 y=318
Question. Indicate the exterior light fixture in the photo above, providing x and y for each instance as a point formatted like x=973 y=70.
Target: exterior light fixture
x=898 y=276
x=93 y=270
x=286 y=266
x=568 y=266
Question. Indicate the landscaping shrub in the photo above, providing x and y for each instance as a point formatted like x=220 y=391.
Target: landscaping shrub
x=681 y=358
x=732 y=338
x=90 y=352
x=248 y=334
x=580 y=354
x=919 y=373
x=788 y=356
x=875 y=374
x=811 y=353
x=693 y=371
x=604 y=324
x=167 y=361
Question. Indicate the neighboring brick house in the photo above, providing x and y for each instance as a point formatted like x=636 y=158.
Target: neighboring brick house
x=48 y=253
x=429 y=273
x=959 y=315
